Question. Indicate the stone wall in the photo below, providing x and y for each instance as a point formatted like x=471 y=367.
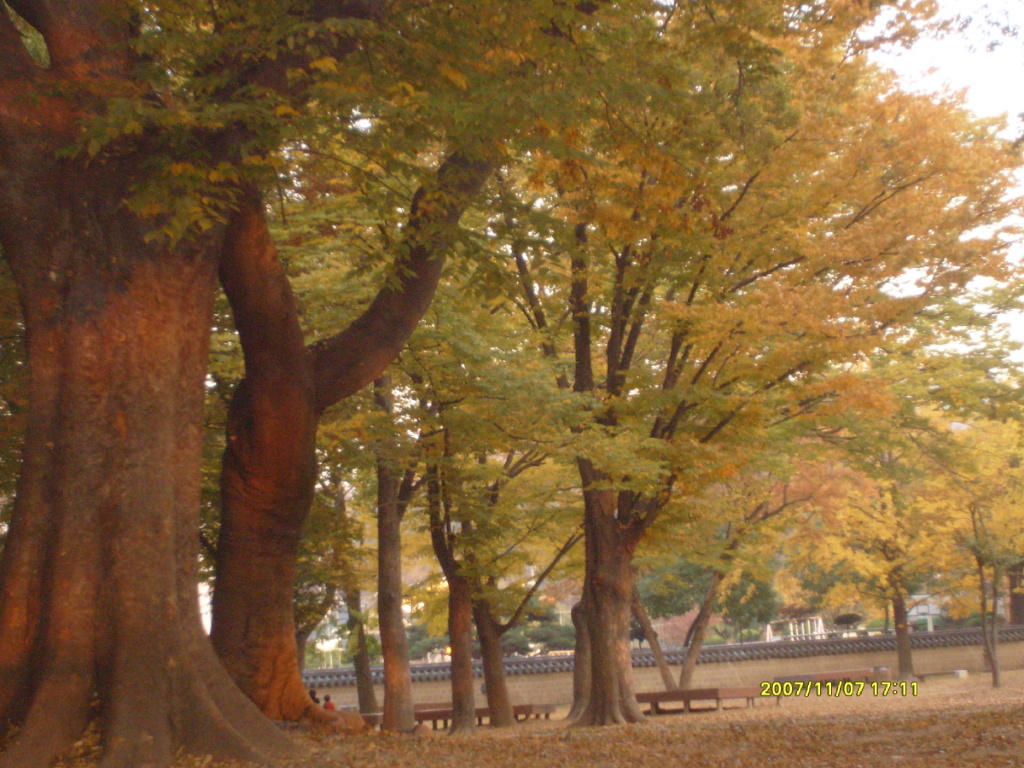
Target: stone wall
x=556 y=687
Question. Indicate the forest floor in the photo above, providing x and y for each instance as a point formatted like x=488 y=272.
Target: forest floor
x=951 y=722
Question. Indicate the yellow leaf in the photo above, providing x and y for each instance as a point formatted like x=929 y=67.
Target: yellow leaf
x=455 y=76
x=325 y=64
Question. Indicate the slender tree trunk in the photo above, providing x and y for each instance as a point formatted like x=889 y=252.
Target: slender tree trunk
x=698 y=630
x=460 y=636
x=460 y=596
x=392 y=495
x=302 y=635
x=361 y=657
x=495 y=682
x=98 y=598
x=608 y=589
x=640 y=614
x=988 y=625
x=993 y=641
x=1016 y=593
x=904 y=657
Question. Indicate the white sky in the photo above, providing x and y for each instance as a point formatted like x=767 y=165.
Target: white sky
x=987 y=65
x=993 y=78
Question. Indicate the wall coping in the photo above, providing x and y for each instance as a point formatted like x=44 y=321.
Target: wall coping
x=779 y=649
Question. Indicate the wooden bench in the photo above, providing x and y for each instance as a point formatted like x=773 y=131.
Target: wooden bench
x=440 y=714
x=866 y=675
x=657 y=699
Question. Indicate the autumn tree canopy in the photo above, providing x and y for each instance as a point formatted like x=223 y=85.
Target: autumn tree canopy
x=136 y=144
x=703 y=213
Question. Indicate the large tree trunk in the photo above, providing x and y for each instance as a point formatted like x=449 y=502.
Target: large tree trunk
x=607 y=594
x=640 y=614
x=460 y=636
x=269 y=464
x=489 y=631
x=267 y=477
x=698 y=630
x=904 y=656
x=98 y=581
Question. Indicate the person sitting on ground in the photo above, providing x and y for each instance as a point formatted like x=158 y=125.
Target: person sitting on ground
x=313 y=696
x=328 y=704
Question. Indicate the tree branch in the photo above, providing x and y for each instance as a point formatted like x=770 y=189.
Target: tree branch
x=15 y=61
x=536 y=313
x=85 y=38
x=439 y=516
x=583 y=379
x=571 y=542
x=348 y=361
x=633 y=337
x=261 y=298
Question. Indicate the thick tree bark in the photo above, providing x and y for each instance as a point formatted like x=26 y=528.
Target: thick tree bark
x=581 y=662
x=267 y=476
x=641 y=617
x=904 y=656
x=269 y=467
x=99 y=572
x=489 y=631
x=98 y=599
x=698 y=630
x=610 y=540
x=608 y=589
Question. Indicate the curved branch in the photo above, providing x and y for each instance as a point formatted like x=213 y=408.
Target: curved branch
x=83 y=37
x=261 y=298
x=15 y=62
x=345 y=363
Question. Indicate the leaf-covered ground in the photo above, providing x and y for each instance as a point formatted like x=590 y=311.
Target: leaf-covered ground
x=952 y=722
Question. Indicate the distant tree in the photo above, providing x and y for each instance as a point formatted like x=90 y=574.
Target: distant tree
x=748 y=603
x=702 y=313
x=674 y=589
x=984 y=490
